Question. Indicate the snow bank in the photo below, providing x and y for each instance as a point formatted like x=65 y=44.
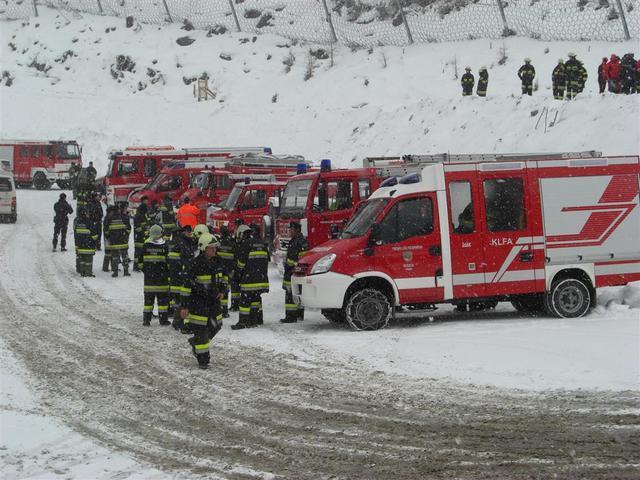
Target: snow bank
x=624 y=296
x=381 y=101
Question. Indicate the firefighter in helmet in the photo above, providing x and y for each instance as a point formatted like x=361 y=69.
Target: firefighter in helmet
x=297 y=249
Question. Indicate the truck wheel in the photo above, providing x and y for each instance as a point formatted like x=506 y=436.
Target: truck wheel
x=569 y=298
x=63 y=184
x=528 y=303
x=368 y=309
x=40 y=181
x=334 y=315
x=13 y=218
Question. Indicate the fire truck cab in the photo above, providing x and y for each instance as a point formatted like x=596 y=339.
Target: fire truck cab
x=542 y=231
x=249 y=201
x=321 y=202
x=41 y=163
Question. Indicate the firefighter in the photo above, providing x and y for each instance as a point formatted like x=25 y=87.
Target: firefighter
x=576 y=76
x=559 y=80
x=467 y=82
x=181 y=252
x=62 y=211
x=73 y=178
x=526 y=74
x=85 y=236
x=483 y=82
x=204 y=282
x=226 y=253
x=188 y=214
x=297 y=249
x=252 y=263
x=106 y=261
x=94 y=209
x=234 y=285
x=602 y=74
x=92 y=173
x=168 y=218
x=156 y=276
x=140 y=227
x=628 y=74
x=118 y=230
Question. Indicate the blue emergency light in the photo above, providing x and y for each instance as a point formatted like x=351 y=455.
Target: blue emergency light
x=325 y=165
x=301 y=168
x=410 y=178
x=389 y=182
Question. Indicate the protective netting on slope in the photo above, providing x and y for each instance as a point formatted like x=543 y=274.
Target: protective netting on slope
x=370 y=22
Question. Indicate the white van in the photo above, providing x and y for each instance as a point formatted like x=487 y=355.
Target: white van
x=8 y=210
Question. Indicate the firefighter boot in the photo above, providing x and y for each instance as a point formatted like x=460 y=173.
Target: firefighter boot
x=105 y=264
x=164 y=319
x=259 y=318
x=301 y=314
x=78 y=265
x=146 y=318
x=125 y=268
x=225 y=312
x=89 y=269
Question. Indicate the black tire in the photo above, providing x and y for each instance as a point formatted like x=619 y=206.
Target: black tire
x=63 y=184
x=13 y=218
x=569 y=298
x=529 y=303
x=368 y=309
x=40 y=181
x=334 y=315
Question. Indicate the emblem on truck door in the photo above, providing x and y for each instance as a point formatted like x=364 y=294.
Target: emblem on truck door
x=407 y=256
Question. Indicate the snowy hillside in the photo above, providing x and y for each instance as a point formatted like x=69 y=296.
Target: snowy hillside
x=387 y=100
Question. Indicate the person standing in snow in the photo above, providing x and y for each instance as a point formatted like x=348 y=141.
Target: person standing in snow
x=467 y=82
x=106 y=261
x=559 y=80
x=613 y=73
x=62 y=211
x=140 y=227
x=85 y=237
x=94 y=209
x=118 y=230
x=602 y=74
x=483 y=82
x=297 y=249
x=201 y=308
x=156 y=276
x=526 y=74
x=576 y=76
x=226 y=254
x=168 y=218
x=628 y=74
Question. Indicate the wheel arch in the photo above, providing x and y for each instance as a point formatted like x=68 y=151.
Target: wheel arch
x=585 y=272
x=376 y=280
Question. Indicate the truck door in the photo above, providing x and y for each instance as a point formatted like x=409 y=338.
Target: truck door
x=333 y=204
x=466 y=236
x=410 y=251
x=22 y=168
x=510 y=253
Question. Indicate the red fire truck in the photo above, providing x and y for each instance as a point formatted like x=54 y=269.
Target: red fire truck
x=249 y=201
x=542 y=231
x=321 y=202
x=136 y=166
x=41 y=163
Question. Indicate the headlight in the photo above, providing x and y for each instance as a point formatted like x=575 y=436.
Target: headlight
x=324 y=264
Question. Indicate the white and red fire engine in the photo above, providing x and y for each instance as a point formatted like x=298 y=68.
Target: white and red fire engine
x=135 y=167
x=41 y=163
x=542 y=231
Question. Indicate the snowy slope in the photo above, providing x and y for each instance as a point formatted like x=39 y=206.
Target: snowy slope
x=354 y=109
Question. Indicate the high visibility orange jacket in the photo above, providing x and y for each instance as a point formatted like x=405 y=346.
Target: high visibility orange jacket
x=188 y=215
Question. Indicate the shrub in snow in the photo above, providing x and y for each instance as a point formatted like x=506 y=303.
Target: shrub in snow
x=288 y=61
x=252 y=13
x=124 y=63
x=274 y=99
x=187 y=25
x=41 y=67
x=216 y=30
x=311 y=65
x=319 y=53
x=6 y=79
x=225 y=56
x=265 y=21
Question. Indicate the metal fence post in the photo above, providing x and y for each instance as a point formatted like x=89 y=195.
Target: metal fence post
x=35 y=7
x=334 y=38
x=504 y=18
x=100 y=7
x=166 y=7
x=624 y=20
x=404 y=20
x=235 y=15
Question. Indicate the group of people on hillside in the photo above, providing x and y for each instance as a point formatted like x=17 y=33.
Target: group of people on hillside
x=568 y=78
x=619 y=76
x=190 y=273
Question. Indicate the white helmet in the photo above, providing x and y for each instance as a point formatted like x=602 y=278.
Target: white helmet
x=200 y=229
x=527 y=60
x=207 y=240
x=468 y=69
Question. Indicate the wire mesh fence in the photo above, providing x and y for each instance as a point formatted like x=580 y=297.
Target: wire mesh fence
x=368 y=23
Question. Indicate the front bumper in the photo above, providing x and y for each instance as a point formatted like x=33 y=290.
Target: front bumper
x=325 y=290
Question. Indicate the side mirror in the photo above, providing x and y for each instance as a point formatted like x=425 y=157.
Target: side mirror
x=374 y=237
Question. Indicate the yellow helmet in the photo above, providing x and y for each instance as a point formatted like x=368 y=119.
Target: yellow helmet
x=200 y=229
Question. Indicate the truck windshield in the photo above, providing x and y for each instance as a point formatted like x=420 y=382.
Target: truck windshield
x=67 y=150
x=200 y=181
x=363 y=217
x=232 y=199
x=294 y=198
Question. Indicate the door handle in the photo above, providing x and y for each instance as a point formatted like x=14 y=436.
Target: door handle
x=435 y=250
x=526 y=257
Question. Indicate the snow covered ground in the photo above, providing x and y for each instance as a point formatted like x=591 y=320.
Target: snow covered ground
x=452 y=395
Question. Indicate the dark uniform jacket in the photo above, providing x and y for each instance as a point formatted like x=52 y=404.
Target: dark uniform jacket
x=94 y=209
x=527 y=73
x=140 y=225
x=62 y=209
x=297 y=249
x=468 y=81
x=227 y=253
x=181 y=252
x=117 y=228
x=559 y=75
x=252 y=264
x=168 y=220
x=204 y=281
x=154 y=265
x=85 y=236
